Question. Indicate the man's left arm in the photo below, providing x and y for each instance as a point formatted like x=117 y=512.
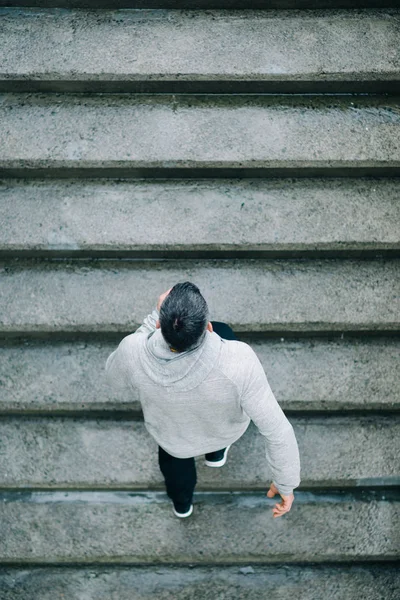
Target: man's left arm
x=117 y=365
x=150 y=322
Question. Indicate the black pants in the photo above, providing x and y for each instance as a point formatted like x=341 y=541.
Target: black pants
x=180 y=473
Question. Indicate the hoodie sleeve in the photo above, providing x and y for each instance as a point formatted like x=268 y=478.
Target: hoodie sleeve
x=118 y=363
x=260 y=404
x=117 y=366
x=149 y=323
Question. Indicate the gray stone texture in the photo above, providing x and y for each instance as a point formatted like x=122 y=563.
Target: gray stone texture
x=195 y=133
x=62 y=527
x=219 y=216
x=199 y=583
x=63 y=453
x=201 y=4
x=305 y=374
x=196 y=46
x=256 y=296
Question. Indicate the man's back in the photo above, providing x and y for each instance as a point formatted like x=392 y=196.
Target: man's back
x=190 y=401
x=199 y=401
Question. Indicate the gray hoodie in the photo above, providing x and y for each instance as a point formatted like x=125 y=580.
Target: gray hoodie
x=202 y=400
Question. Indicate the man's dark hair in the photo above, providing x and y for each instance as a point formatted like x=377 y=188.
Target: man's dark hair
x=184 y=317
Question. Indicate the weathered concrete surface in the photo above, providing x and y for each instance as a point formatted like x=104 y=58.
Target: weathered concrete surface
x=85 y=527
x=170 y=135
x=64 y=453
x=145 y=218
x=184 y=583
x=332 y=375
x=201 y=4
x=315 y=374
x=257 y=296
x=99 y=50
x=190 y=4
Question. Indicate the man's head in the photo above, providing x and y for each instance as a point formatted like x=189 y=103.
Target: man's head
x=184 y=317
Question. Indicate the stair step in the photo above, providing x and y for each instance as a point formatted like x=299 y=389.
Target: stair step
x=202 y=4
x=252 y=296
x=201 y=51
x=223 y=218
x=187 y=583
x=128 y=528
x=108 y=454
x=305 y=375
x=198 y=136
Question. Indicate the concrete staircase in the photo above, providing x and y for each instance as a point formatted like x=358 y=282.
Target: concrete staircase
x=256 y=153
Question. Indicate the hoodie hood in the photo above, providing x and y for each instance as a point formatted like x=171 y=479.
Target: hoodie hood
x=182 y=370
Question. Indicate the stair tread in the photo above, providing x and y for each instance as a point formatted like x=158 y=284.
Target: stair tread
x=220 y=216
x=305 y=374
x=108 y=454
x=187 y=583
x=170 y=135
x=141 y=528
x=201 y=4
x=285 y=296
x=179 y=46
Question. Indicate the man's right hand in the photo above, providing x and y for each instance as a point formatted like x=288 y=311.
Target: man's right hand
x=284 y=506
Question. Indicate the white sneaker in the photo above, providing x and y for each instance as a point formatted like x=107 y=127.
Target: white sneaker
x=184 y=514
x=220 y=462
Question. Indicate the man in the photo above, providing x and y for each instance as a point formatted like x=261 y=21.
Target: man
x=199 y=391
